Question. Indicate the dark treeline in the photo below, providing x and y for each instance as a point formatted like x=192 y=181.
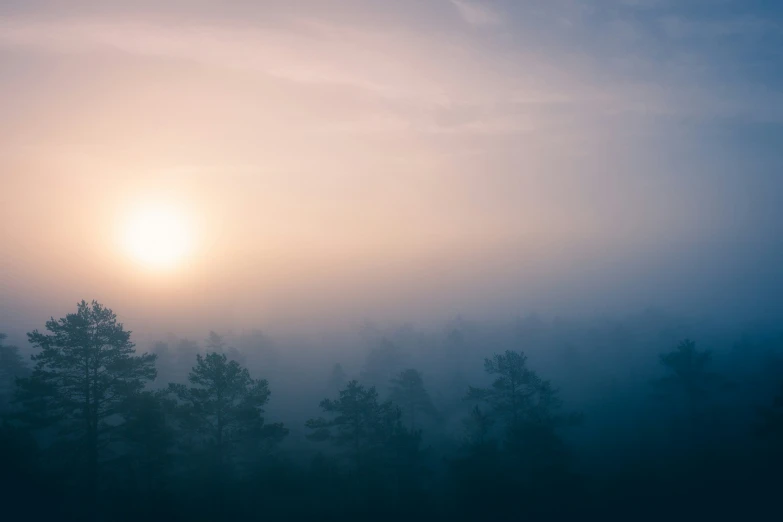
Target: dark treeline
x=644 y=417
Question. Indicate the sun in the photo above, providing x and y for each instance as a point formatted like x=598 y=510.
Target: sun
x=158 y=236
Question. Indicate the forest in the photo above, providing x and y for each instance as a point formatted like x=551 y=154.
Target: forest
x=647 y=416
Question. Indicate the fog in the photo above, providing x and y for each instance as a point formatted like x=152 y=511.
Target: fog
x=487 y=232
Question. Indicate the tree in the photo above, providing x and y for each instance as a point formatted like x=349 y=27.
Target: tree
x=689 y=378
x=529 y=407
x=382 y=363
x=149 y=437
x=337 y=378
x=85 y=373
x=12 y=366
x=517 y=393
x=407 y=391
x=225 y=406
x=359 y=422
x=477 y=428
x=215 y=342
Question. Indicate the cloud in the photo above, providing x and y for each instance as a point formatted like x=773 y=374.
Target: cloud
x=404 y=81
x=274 y=52
x=477 y=14
x=403 y=69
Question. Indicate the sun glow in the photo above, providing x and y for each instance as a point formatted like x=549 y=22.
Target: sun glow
x=158 y=236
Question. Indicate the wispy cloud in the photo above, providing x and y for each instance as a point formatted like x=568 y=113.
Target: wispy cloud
x=409 y=82
x=304 y=58
x=382 y=64
x=476 y=13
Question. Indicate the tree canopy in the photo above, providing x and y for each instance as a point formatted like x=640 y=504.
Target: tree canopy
x=408 y=392
x=224 y=405
x=86 y=371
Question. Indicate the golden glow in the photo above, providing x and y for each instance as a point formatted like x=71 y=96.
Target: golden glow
x=158 y=236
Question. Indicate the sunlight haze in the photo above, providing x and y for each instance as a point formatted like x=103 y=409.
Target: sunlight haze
x=406 y=160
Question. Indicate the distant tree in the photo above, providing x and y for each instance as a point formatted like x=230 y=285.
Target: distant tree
x=529 y=408
x=359 y=422
x=382 y=363
x=529 y=330
x=215 y=342
x=174 y=359
x=186 y=349
x=85 y=373
x=12 y=366
x=477 y=427
x=408 y=392
x=161 y=351
x=225 y=406
x=688 y=378
x=259 y=349
x=517 y=393
x=337 y=378
x=457 y=352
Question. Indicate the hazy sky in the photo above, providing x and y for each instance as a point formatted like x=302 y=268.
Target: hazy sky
x=404 y=159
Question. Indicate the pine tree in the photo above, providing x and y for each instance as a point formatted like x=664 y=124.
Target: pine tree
x=359 y=422
x=688 y=370
x=85 y=373
x=215 y=342
x=337 y=378
x=225 y=406
x=689 y=382
x=382 y=362
x=408 y=392
x=528 y=407
x=517 y=393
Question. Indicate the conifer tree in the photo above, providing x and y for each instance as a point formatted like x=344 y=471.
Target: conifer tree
x=86 y=371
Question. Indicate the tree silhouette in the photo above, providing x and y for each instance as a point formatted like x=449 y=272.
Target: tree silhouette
x=689 y=379
x=359 y=422
x=12 y=366
x=408 y=392
x=529 y=408
x=477 y=427
x=225 y=406
x=85 y=373
x=382 y=362
x=337 y=378
x=517 y=393
x=215 y=342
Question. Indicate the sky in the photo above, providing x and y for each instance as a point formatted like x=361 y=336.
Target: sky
x=408 y=160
